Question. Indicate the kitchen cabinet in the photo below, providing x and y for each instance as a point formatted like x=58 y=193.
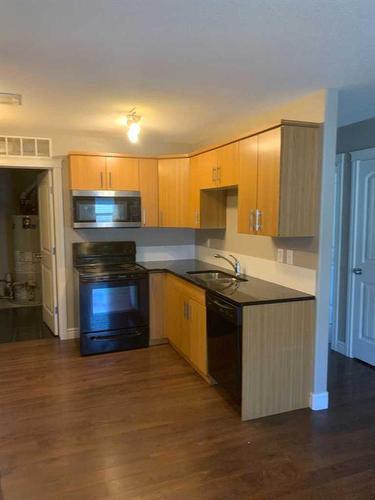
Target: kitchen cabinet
x=157 y=287
x=148 y=185
x=278 y=181
x=217 y=168
x=185 y=321
x=87 y=172
x=122 y=174
x=100 y=172
x=207 y=207
x=173 y=192
x=247 y=184
x=227 y=165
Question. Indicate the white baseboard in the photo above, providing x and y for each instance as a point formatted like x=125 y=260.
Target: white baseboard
x=71 y=333
x=319 y=400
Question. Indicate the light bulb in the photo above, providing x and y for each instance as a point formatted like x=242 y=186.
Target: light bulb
x=133 y=132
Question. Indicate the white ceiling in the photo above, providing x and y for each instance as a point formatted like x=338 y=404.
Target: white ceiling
x=189 y=66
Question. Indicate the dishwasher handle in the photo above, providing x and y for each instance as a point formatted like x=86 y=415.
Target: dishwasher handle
x=229 y=311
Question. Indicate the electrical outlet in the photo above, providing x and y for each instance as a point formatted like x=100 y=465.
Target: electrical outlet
x=289 y=257
x=280 y=255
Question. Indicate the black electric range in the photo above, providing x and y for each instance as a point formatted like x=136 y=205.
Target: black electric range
x=113 y=293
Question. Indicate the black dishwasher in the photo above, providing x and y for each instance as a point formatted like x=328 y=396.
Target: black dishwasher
x=224 y=344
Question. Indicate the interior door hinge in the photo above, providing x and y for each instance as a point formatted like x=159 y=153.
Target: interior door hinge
x=56 y=310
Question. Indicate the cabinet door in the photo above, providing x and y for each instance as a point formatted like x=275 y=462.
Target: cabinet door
x=227 y=161
x=176 y=314
x=87 y=172
x=148 y=185
x=122 y=174
x=206 y=164
x=247 y=185
x=269 y=149
x=173 y=192
x=197 y=335
x=157 y=307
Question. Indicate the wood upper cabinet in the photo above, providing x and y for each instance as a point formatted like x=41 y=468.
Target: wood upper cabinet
x=227 y=165
x=207 y=207
x=148 y=185
x=268 y=193
x=103 y=172
x=185 y=314
x=122 y=173
x=247 y=184
x=283 y=164
x=87 y=172
x=173 y=192
x=205 y=169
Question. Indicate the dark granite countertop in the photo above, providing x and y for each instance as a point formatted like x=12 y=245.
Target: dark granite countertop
x=251 y=292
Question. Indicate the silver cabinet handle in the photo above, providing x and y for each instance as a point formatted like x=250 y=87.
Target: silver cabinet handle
x=101 y=179
x=110 y=179
x=214 y=174
x=143 y=216
x=252 y=222
x=357 y=270
x=258 y=224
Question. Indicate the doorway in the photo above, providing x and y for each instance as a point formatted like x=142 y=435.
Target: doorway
x=353 y=332
x=31 y=254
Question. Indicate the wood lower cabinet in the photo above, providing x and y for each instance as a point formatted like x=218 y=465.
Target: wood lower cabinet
x=185 y=321
x=173 y=192
x=278 y=181
x=157 y=290
x=148 y=185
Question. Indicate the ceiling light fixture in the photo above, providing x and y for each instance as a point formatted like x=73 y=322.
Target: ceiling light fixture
x=11 y=99
x=133 y=124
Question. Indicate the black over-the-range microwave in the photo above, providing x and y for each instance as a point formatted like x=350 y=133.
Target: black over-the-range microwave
x=95 y=209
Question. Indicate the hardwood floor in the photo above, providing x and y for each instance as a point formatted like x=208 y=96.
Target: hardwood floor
x=141 y=425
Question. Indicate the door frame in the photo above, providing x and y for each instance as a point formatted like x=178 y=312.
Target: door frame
x=364 y=154
x=55 y=166
x=341 y=245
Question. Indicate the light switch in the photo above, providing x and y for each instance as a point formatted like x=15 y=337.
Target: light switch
x=289 y=257
x=280 y=255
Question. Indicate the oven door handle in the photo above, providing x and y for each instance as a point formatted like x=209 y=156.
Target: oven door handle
x=103 y=338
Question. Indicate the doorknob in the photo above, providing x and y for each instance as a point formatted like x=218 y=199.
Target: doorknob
x=357 y=270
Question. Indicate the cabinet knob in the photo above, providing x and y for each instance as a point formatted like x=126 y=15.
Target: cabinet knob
x=357 y=270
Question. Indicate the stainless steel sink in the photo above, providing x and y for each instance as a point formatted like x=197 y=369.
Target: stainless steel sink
x=216 y=277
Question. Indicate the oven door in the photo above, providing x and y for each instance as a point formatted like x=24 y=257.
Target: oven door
x=113 y=305
x=106 y=209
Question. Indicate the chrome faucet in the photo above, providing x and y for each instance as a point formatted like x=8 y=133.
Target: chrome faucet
x=235 y=264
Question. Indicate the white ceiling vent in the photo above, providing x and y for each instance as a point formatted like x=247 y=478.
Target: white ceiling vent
x=30 y=147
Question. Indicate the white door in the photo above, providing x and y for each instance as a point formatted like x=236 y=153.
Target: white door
x=362 y=288
x=48 y=251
